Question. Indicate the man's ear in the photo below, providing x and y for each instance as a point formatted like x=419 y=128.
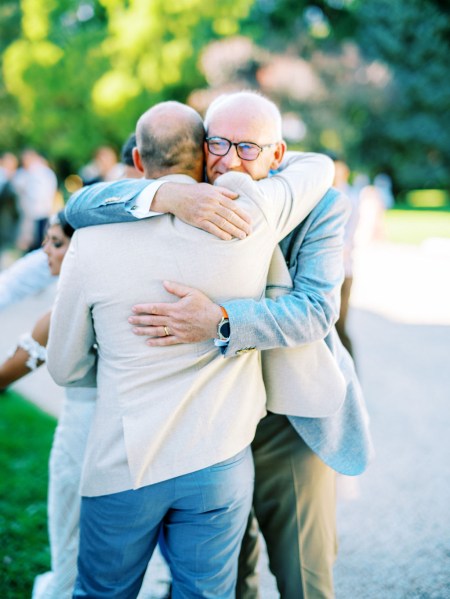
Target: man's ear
x=278 y=155
x=137 y=160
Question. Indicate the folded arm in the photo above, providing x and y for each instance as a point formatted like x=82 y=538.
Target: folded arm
x=287 y=197
x=201 y=205
x=303 y=315
x=308 y=311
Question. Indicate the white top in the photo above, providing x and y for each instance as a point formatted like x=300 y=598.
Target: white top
x=37 y=188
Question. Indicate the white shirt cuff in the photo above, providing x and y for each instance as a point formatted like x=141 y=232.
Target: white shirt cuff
x=221 y=342
x=141 y=206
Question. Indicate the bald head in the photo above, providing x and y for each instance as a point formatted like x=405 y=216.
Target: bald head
x=169 y=140
x=253 y=107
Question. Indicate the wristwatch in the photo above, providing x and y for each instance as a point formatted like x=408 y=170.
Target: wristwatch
x=223 y=328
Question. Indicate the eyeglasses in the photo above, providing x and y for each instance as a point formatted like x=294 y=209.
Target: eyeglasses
x=246 y=150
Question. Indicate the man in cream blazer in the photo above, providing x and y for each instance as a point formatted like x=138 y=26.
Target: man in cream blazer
x=296 y=456
x=169 y=443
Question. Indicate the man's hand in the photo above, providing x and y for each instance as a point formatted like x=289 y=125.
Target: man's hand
x=194 y=317
x=206 y=207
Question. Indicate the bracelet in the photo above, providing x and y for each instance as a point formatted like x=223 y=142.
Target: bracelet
x=37 y=353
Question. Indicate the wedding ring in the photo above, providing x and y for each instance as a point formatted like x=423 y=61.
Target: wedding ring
x=166 y=330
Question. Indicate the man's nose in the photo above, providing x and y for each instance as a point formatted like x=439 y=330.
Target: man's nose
x=231 y=159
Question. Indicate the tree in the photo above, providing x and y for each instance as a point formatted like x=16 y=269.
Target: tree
x=9 y=30
x=365 y=79
x=81 y=73
x=410 y=134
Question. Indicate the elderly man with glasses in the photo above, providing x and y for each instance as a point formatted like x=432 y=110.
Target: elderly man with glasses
x=296 y=455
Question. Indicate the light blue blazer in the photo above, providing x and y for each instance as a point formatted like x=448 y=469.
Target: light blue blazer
x=313 y=253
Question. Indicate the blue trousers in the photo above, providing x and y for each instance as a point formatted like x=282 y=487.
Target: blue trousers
x=200 y=518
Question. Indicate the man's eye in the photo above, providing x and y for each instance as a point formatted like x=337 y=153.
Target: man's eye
x=57 y=244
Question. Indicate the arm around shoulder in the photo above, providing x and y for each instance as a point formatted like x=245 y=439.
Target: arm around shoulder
x=104 y=203
x=307 y=312
x=298 y=186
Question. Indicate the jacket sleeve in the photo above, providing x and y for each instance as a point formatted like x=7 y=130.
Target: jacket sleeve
x=71 y=357
x=286 y=198
x=309 y=310
x=104 y=203
x=296 y=188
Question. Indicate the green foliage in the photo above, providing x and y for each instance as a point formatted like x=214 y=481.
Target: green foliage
x=9 y=31
x=25 y=439
x=410 y=135
x=80 y=74
x=299 y=24
x=383 y=69
x=367 y=78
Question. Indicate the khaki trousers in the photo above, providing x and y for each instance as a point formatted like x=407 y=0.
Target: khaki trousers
x=295 y=505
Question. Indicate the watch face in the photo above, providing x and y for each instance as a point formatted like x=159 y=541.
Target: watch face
x=224 y=330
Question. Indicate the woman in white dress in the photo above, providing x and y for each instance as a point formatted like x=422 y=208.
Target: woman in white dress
x=69 y=442
x=67 y=453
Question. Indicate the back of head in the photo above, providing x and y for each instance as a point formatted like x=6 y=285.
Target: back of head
x=170 y=140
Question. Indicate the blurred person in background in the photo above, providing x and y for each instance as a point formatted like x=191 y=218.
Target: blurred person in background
x=36 y=186
x=9 y=213
x=341 y=182
x=104 y=167
x=375 y=198
x=383 y=184
x=31 y=273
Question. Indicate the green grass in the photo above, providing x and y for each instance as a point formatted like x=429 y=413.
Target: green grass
x=414 y=226
x=26 y=435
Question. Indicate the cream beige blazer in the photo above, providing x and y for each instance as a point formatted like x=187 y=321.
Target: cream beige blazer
x=163 y=412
